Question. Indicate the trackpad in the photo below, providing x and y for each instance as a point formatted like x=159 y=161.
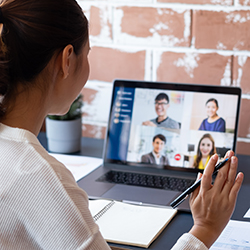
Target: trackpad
x=140 y=194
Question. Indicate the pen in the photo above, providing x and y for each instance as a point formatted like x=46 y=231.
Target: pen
x=143 y=204
x=188 y=191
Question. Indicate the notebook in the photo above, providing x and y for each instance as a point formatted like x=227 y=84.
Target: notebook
x=130 y=224
x=156 y=135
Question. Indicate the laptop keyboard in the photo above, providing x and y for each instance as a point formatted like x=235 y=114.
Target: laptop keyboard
x=153 y=181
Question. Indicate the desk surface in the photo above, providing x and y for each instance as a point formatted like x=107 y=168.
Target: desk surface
x=182 y=222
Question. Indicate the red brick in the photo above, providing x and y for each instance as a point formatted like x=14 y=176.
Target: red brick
x=212 y=69
x=108 y=64
x=244 y=123
x=96 y=97
x=241 y=73
x=243 y=148
x=218 y=2
x=222 y=30
x=154 y=25
x=98 y=21
x=95 y=21
x=244 y=2
x=93 y=131
x=88 y=95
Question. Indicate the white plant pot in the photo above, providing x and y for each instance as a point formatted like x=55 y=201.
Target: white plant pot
x=64 y=136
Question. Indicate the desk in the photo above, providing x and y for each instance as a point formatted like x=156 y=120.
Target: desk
x=182 y=222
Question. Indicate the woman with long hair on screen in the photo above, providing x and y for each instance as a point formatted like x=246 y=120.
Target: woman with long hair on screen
x=205 y=150
x=44 y=48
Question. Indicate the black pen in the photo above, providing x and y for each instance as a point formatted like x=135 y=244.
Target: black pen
x=188 y=191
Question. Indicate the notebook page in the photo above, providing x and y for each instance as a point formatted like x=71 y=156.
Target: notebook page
x=132 y=224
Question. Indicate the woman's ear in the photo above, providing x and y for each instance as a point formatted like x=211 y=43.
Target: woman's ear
x=67 y=55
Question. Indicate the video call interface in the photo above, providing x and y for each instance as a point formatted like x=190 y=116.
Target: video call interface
x=159 y=127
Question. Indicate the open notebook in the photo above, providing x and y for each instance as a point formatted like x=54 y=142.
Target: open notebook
x=130 y=171
x=129 y=224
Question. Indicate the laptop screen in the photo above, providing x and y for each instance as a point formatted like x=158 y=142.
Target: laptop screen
x=169 y=125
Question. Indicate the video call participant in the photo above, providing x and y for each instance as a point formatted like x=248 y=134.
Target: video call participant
x=206 y=148
x=213 y=122
x=48 y=209
x=156 y=156
x=162 y=119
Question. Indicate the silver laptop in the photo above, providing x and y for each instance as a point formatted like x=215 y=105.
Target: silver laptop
x=159 y=135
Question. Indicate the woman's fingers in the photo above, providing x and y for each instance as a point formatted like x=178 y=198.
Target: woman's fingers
x=226 y=175
x=225 y=183
x=229 y=154
x=196 y=191
x=222 y=177
x=208 y=172
x=231 y=175
x=237 y=184
x=236 y=187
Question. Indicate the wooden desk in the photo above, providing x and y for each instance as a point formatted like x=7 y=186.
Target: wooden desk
x=182 y=222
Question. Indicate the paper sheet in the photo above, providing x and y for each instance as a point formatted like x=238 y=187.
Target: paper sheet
x=79 y=166
x=247 y=215
x=236 y=235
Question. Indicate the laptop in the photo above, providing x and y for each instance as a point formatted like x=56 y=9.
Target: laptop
x=155 y=135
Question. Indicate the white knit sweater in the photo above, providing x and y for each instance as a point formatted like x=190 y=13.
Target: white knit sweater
x=41 y=205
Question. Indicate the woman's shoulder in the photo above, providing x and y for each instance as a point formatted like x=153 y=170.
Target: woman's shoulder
x=55 y=168
x=221 y=119
x=204 y=120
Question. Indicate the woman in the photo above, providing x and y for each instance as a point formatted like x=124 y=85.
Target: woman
x=43 y=66
x=205 y=150
x=213 y=122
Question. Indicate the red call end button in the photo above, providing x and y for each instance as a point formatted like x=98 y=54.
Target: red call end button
x=177 y=157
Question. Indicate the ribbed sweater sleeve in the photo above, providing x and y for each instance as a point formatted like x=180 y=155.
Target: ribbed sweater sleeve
x=189 y=242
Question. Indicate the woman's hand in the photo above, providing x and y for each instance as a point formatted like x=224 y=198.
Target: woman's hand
x=213 y=205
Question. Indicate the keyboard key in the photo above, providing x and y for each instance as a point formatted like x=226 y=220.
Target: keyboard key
x=153 y=181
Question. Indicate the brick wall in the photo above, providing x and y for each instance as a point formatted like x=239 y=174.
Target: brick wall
x=190 y=41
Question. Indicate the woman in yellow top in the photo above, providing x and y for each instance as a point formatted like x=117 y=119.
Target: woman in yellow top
x=205 y=150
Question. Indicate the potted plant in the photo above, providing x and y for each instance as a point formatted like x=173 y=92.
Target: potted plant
x=64 y=132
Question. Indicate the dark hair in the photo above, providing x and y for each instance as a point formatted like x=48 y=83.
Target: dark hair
x=162 y=96
x=33 y=31
x=213 y=100
x=199 y=155
x=161 y=137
